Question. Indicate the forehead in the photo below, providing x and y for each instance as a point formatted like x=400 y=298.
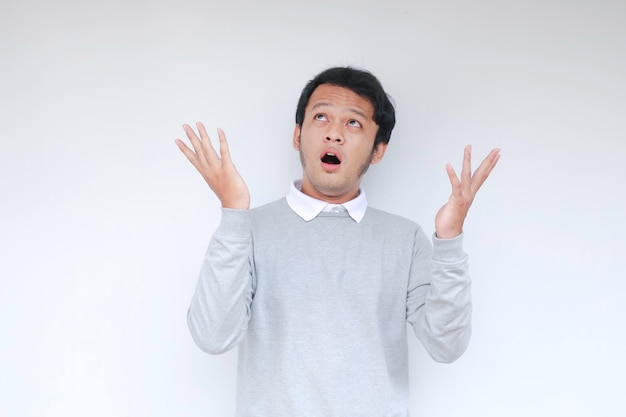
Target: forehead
x=341 y=98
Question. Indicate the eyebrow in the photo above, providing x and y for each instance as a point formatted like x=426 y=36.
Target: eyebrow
x=351 y=109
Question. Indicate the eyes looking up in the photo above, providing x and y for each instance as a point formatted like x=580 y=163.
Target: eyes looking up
x=323 y=118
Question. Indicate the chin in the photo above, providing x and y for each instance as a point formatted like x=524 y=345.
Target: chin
x=337 y=190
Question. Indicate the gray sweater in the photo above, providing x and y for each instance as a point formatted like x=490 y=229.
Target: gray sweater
x=319 y=309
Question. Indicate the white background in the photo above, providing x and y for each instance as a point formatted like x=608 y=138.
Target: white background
x=103 y=223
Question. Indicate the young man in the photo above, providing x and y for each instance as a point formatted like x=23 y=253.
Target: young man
x=316 y=288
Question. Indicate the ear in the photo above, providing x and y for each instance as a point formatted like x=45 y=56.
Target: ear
x=378 y=152
x=296 y=138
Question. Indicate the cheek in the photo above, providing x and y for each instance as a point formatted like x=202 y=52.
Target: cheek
x=309 y=131
x=306 y=149
x=307 y=139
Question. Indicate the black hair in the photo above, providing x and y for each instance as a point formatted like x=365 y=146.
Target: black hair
x=362 y=83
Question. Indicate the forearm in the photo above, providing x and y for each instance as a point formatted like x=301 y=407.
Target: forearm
x=220 y=307
x=443 y=321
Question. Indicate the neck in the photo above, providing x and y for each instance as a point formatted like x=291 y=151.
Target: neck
x=339 y=198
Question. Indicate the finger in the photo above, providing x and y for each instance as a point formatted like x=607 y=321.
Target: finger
x=466 y=171
x=224 y=150
x=207 y=148
x=485 y=169
x=194 y=140
x=454 y=180
x=191 y=156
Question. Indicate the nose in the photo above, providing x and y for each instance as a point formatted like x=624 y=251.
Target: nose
x=334 y=134
x=334 y=138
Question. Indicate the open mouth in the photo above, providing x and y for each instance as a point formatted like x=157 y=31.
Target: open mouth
x=330 y=158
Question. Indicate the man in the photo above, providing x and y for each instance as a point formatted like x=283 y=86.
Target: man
x=316 y=288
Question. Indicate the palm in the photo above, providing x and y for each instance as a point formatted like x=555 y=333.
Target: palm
x=217 y=170
x=451 y=216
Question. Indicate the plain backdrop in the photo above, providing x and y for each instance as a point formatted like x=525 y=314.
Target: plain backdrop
x=104 y=223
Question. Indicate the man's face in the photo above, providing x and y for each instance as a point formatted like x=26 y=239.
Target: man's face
x=336 y=142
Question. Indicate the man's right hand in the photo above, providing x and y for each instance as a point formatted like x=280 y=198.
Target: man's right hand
x=217 y=170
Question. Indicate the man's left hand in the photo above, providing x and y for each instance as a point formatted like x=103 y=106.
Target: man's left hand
x=450 y=217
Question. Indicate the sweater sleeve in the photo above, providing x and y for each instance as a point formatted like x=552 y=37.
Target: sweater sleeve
x=439 y=302
x=220 y=307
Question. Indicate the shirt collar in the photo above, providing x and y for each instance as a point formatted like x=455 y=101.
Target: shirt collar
x=308 y=207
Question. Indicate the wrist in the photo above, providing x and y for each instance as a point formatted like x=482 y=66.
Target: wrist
x=236 y=203
x=448 y=232
x=236 y=206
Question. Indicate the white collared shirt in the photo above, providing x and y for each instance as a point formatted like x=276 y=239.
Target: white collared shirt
x=308 y=207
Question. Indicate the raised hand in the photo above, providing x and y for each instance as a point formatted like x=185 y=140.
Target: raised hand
x=217 y=170
x=450 y=217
